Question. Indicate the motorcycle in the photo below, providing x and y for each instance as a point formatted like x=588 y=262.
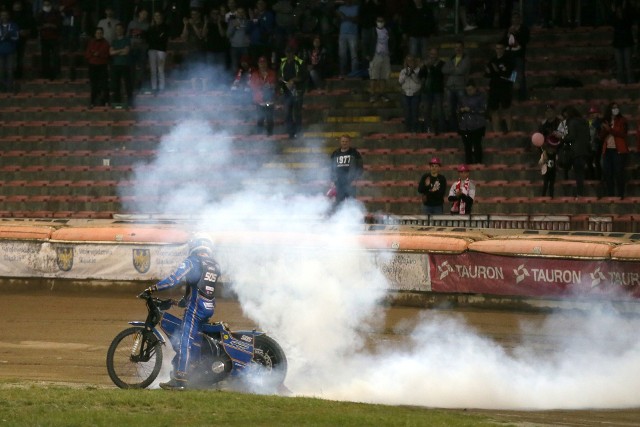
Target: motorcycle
x=135 y=356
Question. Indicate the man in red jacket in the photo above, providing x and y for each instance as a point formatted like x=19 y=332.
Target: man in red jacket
x=97 y=55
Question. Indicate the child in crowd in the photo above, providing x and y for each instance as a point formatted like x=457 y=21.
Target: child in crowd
x=243 y=75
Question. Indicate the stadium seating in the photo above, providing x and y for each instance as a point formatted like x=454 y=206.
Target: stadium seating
x=61 y=159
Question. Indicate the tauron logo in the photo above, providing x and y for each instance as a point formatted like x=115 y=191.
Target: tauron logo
x=445 y=269
x=521 y=272
x=596 y=278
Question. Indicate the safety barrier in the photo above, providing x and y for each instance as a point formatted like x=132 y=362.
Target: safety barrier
x=615 y=223
x=444 y=258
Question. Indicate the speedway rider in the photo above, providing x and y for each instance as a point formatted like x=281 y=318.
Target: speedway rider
x=200 y=272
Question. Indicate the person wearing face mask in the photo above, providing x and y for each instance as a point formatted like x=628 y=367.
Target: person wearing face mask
x=613 y=133
x=50 y=27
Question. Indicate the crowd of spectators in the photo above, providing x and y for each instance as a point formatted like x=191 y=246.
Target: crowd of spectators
x=286 y=47
x=220 y=32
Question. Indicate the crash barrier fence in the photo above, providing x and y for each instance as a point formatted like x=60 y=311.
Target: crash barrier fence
x=626 y=224
x=412 y=257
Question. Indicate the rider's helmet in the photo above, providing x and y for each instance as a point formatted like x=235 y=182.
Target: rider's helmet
x=200 y=243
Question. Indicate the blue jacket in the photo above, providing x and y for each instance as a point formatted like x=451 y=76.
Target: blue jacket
x=261 y=29
x=9 y=35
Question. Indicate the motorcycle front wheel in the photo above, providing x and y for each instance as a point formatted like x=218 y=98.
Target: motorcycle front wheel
x=134 y=358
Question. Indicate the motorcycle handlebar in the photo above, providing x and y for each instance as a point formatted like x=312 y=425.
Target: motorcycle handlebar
x=147 y=296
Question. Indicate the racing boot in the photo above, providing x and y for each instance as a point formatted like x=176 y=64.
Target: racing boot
x=175 y=384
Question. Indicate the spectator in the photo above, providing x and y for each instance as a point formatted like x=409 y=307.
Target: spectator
x=348 y=37
x=293 y=76
x=263 y=83
x=136 y=33
x=594 y=167
x=499 y=70
x=261 y=27
x=433 y=92
x=97 y=55
x=316 y=59
x=9 y=35
x=174 y=12
x=23 y=17
x=243 y=75
x=158 y=39
x=108 y=25
x=411 y=85
x=622 y=22
x=456 y=69
x=238 y=37
x=380 y=65
x=580 y=140
x=573 y=12
x=121 y=64
x=463 y=12
x=193 y=34
x=370 y=10
x=286 y=23
x=346 y=168
x=230 y=10
x=432 y=186
x=637 y=128
x=563 y=159
x=70 y=11
x=50 y=26
x=614 y=150
x=216 y=41
x=548 y=164
x=516 y=39
x=473 y=123
x=462 y=193
x=551 y=121
x=418 y=25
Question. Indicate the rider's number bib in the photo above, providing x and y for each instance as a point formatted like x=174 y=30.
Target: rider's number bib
x=210 y=274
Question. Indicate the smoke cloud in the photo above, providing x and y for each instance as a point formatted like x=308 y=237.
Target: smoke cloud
x=318 y=294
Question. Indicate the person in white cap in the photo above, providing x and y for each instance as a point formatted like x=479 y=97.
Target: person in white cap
x=462 y=193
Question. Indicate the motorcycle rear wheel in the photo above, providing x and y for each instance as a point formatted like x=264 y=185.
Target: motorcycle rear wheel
x=134 y=369
x=269 y=354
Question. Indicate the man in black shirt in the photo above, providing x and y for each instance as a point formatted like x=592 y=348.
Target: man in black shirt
x=346 y=167
x=500 y=70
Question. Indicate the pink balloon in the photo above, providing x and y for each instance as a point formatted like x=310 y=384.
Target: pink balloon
x=537 y=139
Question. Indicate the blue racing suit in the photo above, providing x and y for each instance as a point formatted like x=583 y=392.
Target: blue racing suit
x=200 y=273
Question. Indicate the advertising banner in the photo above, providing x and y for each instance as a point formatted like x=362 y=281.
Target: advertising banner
x=89 y=260
x=474 y=272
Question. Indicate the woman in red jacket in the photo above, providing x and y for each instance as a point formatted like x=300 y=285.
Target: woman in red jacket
x=263 y=85
x=614 y=150
x=97 y=55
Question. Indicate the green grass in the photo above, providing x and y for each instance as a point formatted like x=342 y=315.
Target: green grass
x=55 y=405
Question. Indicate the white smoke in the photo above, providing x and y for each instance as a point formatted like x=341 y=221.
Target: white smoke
x=318 y=294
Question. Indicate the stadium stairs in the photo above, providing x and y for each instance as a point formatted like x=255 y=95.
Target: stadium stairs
x=61 y=159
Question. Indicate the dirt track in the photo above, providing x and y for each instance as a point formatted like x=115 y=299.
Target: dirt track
x=63 y=337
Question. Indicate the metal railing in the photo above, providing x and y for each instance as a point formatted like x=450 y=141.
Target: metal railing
x=547 y=223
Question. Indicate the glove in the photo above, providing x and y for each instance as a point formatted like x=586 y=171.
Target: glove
x=146 y=293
